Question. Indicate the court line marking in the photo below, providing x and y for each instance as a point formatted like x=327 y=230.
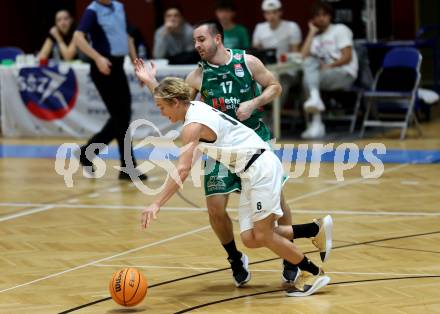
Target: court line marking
x=333 y=187
x=409 y=182
x=191 y=209
x=267 y=260
x=375 y=182
x=43 y=206
x=343 y=184
x=107 y=258
x=113 y=189
x=38 y=209
x=364 y=213
x=258 y=270
x=178 y=236
x=342 y=284
x=156 y=267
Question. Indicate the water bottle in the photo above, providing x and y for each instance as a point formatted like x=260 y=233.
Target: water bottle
x=56 y=54
x=142 y=52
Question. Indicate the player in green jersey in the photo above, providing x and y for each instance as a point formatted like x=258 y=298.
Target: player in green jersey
x=228 y=80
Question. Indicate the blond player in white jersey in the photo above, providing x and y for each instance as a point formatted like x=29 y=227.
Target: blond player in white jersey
x=208 y=130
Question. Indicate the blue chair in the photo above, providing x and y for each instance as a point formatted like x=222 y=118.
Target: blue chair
x=10 y=53
x=394 y=91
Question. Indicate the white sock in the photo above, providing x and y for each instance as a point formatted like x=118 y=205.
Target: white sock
x=317 y=118
x=314 y=93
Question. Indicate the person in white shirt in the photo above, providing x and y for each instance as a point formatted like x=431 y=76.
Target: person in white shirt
x=284 y=36
x=208 y=130
x=330 y=63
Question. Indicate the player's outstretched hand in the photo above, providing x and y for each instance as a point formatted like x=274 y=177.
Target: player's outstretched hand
x=146 y=73
x=148 y=214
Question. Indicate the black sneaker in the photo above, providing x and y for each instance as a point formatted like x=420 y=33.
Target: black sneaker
x=291 y=273
x=86 y=163
x=240 y=272
x=125 y=176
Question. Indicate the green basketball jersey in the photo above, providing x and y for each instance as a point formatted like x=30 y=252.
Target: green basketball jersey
x=224 y=87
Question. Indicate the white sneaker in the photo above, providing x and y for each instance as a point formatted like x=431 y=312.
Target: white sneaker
x=323 y=240
x=308 y=284
x=315 y=130
x=306 y=133
x=314 y=105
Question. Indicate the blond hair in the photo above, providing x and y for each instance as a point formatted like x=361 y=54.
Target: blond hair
x=173 y=87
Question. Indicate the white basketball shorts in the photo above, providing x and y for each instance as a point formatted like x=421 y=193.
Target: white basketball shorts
x=261 y=190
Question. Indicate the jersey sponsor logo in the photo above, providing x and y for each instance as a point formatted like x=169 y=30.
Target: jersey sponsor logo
x=225 y=104
x=238 y=69
x=212 y=79
x=245 y=89
x=48 y=93
x=207 y=93
x=224 y=74
x=238 y=56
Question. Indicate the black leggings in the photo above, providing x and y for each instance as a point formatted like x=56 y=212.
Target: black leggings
x=115 y=93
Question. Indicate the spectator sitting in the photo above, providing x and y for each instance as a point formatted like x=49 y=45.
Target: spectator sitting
x=173 y=40
x=235 y=36
x=284 y=36
x=330 y=63
x=59 y=44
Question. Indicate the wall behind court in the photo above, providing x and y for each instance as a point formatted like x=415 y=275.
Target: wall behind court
x=25 y=23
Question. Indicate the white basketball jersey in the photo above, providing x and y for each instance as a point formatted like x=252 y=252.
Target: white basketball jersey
x=235 y=143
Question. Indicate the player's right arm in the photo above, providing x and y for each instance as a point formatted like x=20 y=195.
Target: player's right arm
x=194 y=80
x=190 y=137
x=271 y=88
x=313 y=30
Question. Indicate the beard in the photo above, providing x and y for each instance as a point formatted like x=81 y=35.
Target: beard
x=209 y=53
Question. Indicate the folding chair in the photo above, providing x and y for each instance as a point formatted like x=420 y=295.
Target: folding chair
x=10 y=53
x=394 y=90
x=338 y=98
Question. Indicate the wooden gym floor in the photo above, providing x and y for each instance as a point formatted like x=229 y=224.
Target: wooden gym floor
x=60 y=246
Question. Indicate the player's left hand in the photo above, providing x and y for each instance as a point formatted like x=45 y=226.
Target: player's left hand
x=144 y=73
x=245 y=110
x=148 y=214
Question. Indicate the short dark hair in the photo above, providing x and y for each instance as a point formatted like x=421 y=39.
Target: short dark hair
x=64 y=9
x=225 y=5
x=175 y=7
x=322 y=6
x=214 y=27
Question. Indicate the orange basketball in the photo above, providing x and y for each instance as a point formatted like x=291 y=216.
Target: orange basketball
x=128 y=287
